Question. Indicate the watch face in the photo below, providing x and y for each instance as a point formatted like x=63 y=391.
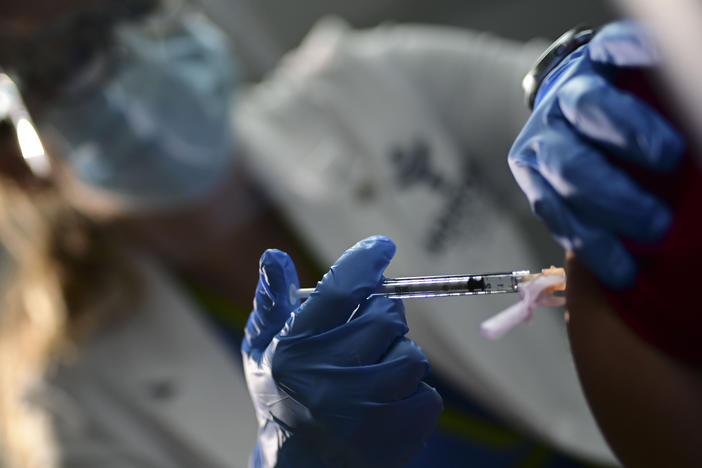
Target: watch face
x=550 y=59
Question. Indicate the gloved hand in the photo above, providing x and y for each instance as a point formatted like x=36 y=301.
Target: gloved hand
x=560 y=159
x=334 y=381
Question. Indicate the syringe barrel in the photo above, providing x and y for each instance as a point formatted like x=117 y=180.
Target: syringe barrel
x=452 y=285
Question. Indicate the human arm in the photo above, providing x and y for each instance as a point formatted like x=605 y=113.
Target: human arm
x=568 y=160
x=647 y=404
x=334 y=381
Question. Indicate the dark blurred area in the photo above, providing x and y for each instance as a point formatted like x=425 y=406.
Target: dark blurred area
x=272 y=27
x=517 y=19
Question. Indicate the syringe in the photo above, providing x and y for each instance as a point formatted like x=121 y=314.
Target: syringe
x=443 y=286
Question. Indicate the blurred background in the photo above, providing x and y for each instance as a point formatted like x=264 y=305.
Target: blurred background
x=264 y=29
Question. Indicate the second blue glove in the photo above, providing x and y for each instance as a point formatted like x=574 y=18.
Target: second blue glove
x=561 y=159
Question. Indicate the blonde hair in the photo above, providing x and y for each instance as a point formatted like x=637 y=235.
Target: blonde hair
x=58 y=264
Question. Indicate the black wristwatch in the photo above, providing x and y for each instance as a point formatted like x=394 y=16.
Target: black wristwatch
x=550 y=59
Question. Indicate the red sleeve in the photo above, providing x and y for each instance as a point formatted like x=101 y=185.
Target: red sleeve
x=665 y=305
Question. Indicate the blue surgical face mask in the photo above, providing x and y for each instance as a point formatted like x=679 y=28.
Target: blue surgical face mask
x=154 y=132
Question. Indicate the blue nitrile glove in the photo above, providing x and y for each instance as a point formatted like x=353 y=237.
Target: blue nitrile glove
x=559 y=159
x=334 y=381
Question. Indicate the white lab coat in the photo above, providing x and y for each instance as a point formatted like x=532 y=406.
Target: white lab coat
x=404 y=131
x=156 y=388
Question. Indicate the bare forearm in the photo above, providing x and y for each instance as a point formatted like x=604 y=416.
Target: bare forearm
x=648 y=406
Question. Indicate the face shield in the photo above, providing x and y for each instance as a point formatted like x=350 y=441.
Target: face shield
x=144 y=125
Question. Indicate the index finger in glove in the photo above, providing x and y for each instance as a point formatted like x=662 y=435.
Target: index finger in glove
x=596 y=190
x=354 y=276
x=624 y=44
x=405 y=365
x=602 y=252
x=365 y=339
x=620 y=123
x=272 y=305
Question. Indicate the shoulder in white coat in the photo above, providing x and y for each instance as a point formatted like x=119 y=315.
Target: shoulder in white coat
x=154 y=388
